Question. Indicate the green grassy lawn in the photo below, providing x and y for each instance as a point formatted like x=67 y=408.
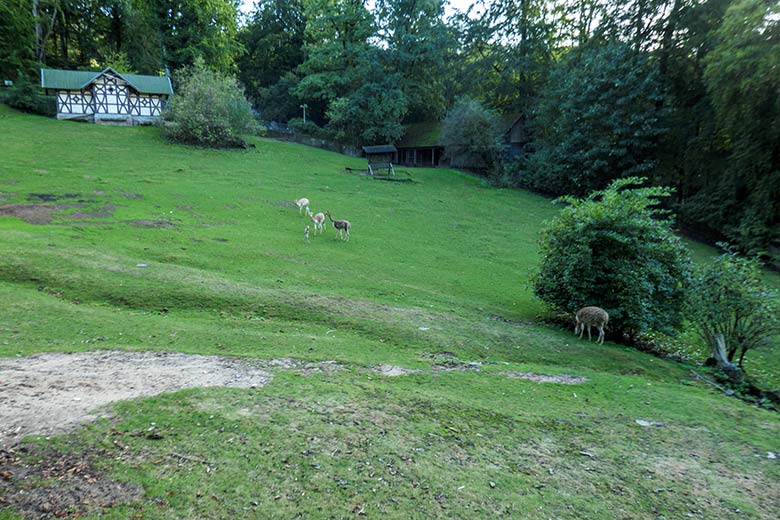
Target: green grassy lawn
x=435 y=271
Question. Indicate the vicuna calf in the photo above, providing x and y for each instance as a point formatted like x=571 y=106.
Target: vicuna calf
x=302 y=203
x=591 y=317
x=318 y=220
x=340 y=225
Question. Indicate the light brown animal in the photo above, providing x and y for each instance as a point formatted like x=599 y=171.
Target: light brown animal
x=591 y=317
x=340 y=225
x=318 y=220
x=302 y=203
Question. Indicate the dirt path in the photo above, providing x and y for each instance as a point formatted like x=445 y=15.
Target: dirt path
x=53 y=393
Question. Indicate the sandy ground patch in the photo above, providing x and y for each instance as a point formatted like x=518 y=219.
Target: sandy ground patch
x=394 y=371
x=542 y=378
x=54 y=393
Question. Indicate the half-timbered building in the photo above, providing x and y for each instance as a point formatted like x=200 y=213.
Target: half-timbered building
x=107 y=96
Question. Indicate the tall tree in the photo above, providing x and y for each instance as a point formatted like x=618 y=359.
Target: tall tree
x=17 y=44
x=273 y=39
x=742 y=78
x=343 y=79
x=418 y=46
x=505 y=49
x=198 y=28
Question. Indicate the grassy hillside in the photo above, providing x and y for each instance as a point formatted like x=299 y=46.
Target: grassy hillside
x=113 y=239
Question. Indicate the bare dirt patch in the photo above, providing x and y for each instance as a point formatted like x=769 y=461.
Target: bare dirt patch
x=160 y=224
x=37 y=214
x=51 y=197
x=54 y=393
x=394 y=371
x=542 y=378
x=305 y=367
x=65 y=485
x=41 y=214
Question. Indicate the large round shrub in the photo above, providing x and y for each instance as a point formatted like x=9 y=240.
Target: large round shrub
x=208 y=109
x=617 y=250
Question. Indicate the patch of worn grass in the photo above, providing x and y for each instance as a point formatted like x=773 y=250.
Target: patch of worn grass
x=434 y=446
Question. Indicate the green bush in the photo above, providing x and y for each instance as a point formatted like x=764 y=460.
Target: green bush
x=614 y=249
x=731 y=303
x=208 y=109
x=26 y=96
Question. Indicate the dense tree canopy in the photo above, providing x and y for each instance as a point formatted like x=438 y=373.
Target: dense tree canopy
x=683 y=92
x=597 y=120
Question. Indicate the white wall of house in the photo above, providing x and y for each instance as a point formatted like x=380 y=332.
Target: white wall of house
x=108 y=96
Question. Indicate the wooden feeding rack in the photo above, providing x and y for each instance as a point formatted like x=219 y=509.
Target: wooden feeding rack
x=380 y=158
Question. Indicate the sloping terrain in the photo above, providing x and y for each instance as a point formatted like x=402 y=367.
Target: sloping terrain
x=450 y=399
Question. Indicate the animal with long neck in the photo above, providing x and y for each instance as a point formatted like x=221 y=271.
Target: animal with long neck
x=302 y=203
x=318 y=220
x=340 y=225
x=591 y=317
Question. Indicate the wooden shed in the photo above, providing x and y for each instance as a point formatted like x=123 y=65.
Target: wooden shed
x=107 y=95
x=380 y=158
x=421 y=145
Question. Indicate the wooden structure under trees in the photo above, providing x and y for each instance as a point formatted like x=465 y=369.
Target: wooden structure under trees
x=380 y=158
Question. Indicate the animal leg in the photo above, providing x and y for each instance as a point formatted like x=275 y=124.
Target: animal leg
x=589 y=338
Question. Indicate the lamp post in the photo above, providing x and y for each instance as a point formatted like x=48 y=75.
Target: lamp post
x=304 y=107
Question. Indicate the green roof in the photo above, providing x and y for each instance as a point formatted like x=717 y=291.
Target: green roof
x=383 y=148
x=428 y=133
x=507 y=121
x=420 y=135
x=78 y=79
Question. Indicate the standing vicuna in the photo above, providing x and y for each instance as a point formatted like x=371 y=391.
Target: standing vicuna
x=318 y=220
x=302 y=203
x=340 y=225
x=591 y=317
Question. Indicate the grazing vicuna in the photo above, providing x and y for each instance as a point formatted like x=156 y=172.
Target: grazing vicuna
x=318 y=220
x=302 y=203
x=340 y=225
x=591 y=317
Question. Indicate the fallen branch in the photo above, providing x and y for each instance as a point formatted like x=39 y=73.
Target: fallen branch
x=712 y=383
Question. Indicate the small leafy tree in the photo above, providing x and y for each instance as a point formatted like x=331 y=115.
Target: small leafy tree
x=208 y=109
x=732 y=307
x=615 y=249
x=471 y=135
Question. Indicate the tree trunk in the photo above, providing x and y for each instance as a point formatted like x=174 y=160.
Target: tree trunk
x=731 y=370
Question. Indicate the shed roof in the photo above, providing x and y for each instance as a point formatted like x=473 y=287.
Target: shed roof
x=507 y=121
x=384 y=148
x=426 y=134
x=78 y=79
